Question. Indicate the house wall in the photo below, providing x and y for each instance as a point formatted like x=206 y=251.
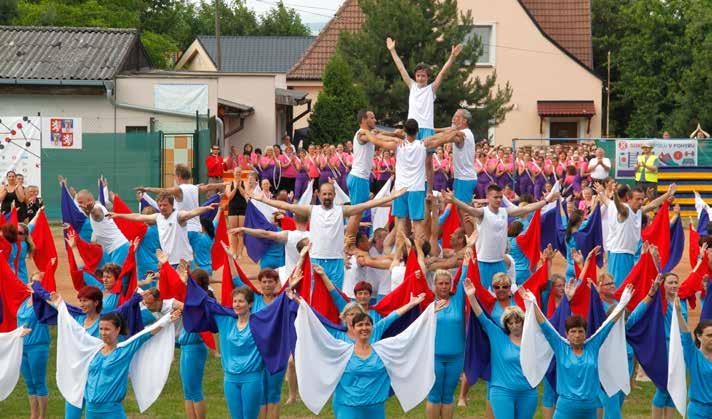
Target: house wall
x=195 y=58
x=311 y=87
x=536 y=70
x=257 y=91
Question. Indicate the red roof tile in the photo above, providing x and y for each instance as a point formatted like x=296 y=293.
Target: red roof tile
x=566 y=22
x=566 y=108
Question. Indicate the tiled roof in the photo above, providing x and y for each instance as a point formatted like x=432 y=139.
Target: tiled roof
x=567 y=23
x=311 y=65
x=50 y=53
x=566 y=108
x=257 y=54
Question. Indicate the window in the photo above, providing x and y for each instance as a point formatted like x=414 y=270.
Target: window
x=486 y=33
x=136 y=129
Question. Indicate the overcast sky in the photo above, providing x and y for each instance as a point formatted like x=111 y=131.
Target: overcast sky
x=309 y=10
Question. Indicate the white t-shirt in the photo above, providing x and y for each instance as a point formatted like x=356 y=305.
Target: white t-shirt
x=599 y=172
x=291 y=255
x=174 y=238
x=355 y=274
x=381 y=277
x=410 y=166
x=106 y=233
x=421 y=104
x=463 y=158
x=362 y=158
x=491 y=241
x=623 y=236
x=397 y=277
x=190 y=201
x=326 y=232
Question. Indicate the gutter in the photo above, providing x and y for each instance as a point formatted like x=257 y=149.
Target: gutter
x=50 y=82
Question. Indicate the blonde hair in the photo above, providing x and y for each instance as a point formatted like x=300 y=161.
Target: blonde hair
x=351 y=306
x=500 y=277
x=511 y=311
x=442 y=272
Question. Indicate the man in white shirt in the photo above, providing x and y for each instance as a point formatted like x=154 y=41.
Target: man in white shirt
x=105 y=232
x=599 y=167
x=421 y=99
x=491 y=223
x=326 y=223
x=172 y=226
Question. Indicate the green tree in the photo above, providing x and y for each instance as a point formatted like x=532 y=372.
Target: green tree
x=334 y=116
x=8 y=11
x=424 y=31
x=235 y=19
x=160 y=48
x=282 y=21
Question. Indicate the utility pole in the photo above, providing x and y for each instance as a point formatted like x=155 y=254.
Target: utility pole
x=218 y=55
x=608 y=100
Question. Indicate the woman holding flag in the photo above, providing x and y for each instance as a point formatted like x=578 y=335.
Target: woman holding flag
x=698 y=359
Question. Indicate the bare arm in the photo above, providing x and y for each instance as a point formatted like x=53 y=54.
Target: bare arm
x=475 y=212
x=175 y=191
x=212 y=187
x=350 y=210
x=456 y=49
x=470 y=293
x=184 y=216
x=680 y=318
x=519 y=211
x=20 y=191
x=327 y=282
x=414 y=301
x=622 y=209
x=303 y=210
x=659 y=200
x=275 y=236
x=380 y=140
x=391 y=45
x=452 y=136
x=148 y=219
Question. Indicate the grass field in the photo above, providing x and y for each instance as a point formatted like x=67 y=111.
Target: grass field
x=170 y=404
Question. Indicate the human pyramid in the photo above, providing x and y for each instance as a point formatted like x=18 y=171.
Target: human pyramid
x=402 y=274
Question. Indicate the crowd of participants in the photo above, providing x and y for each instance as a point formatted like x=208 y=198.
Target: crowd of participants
x=353 y=305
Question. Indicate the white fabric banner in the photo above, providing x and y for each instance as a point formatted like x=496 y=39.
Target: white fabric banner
x=379 y=215
x=151 y=365
x=186 y=98
x=10 y=360
x=677 y=373
x=307 y=195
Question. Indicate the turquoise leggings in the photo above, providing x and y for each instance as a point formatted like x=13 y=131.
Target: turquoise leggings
x=243 y=399
x=371 y=411
x=105 y=411
x=575 y=409
x=192 y=367
x=34 y=368
x=513 y=404
x=447 y=375
x=72 y=412
x=273 y=387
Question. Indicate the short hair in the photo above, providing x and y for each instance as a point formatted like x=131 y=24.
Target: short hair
x=623 y=191
x=361 y=236
x=466 y=114
x=118 y=322
x=183 y=172
x=155 y=293
x=362 y=114
x=574 y=322
x=442 y=272
x=353 y=305
x=165 y=196
x=301 y=218
x=700 y=329
x=245 y=292
x=363 y=286
x=493 y=187
x=509 y=312
x=638 y=189
x=423 y=67
x=268 y=273
x=89 y=292
x=500 y=277
x=112 y=268
x=148 y=210
x=515 y=228
x=361 y=317
x=411 y=127
x=301 y=243
x=327 y=184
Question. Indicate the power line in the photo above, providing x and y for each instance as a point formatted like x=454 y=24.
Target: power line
x=296 y=8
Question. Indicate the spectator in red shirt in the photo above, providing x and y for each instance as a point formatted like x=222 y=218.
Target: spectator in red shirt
x=214 y=163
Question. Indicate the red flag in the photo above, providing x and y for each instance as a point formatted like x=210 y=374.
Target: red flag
x=48 y=282
x=641 y=277
x=694 y=243
x=12 y=294
x=658 y=233
x=530 y=241
x=582 y=297
x=217 y=253
x=45 y=250
x=13 y=217
x=227 y=284
x=411 y=285
x=694 y=283
x=536 y=284
x=91 y=253
x=451 y=223
x=127 y=276
x=483 y=295
x=322 y=302
x=130 y=229
x=76 y=274
x=288 y=223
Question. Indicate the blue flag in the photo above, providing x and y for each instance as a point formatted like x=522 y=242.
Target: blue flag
x=477 y=350
x=274 y=334
x=647 y=337
x=552 y=230
x=558 y=320
x=706 y=313
x=677 y=245
x=215 y=199
x=199 y=309
x=702 y=222
x=256 y=247
x=102 y=194
x=70 y=213
x=596 y=312
x=591 y=235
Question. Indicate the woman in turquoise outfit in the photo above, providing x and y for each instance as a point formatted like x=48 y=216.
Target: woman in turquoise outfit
x=698 y=359
x=22 y=248
x=521 y=261
x=107 y=380
x=364 y=386
x=509 y=392
x=35 y=353
x=577 y=381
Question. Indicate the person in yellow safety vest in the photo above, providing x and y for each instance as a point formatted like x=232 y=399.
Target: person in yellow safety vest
x=646 y=171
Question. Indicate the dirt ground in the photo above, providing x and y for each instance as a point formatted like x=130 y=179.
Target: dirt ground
x=66 y=289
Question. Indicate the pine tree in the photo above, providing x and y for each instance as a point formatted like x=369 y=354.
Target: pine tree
x=424 y=31
x=334 y=116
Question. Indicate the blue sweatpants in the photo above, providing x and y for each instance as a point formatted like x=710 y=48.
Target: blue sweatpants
x=334 y=269
x=488 y=270
x=513 y=404
x=273 y=387
x=447 y=375
x=371 y=411
x=611 y=405
x=619 y=266
x=34 y=369
x=192 y=369
x=662 y=399
x=574 y=409
x=243 y=397
x=118 y=256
